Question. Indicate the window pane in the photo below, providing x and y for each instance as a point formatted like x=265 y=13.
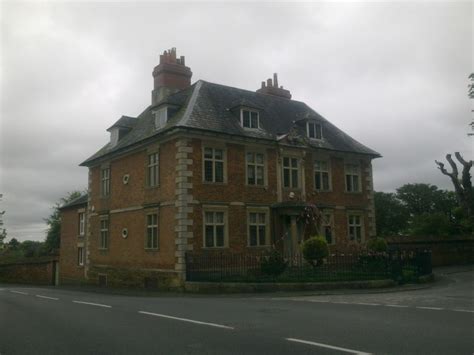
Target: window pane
x=219 y=217
x=259 y=158
x=261 y=218
x=218 y=154
x=252 y=218
x=251 y=174
x=311 y=130
x=349 y=183
x=317 y=181
x=325 y=177
x=261 y=235
x=254 y=120
x=253 y=235
x=286 y=161
x=250 y=158
x=208 y=170
x=294 y=178
x=208 y=153
x=219 y=171
x=286 y=178
x=219 y=236
x=318 y=132
x=294 y=162
x=246 y=118
x=260 y=175
x=209 y=237
x=328 y=234
x=209 y=217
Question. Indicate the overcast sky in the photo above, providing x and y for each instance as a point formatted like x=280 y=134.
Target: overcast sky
x=391 y=75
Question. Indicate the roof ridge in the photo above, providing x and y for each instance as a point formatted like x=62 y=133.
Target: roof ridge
x=190 y=106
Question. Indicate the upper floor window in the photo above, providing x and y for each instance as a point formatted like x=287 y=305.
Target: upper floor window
x=322 y=181
x=161 y=117
x=153 y=170
x=314 y=130
x=249 y=118
x=290 y=172
x=215 y=229
x=355 y=227
x=82 y=223
x=152 y=231
x=105 y=182
x=213 y=165
x=328 y=228
x=257 y=228
x=104 y=233
x=352 y=177
x=255 y=169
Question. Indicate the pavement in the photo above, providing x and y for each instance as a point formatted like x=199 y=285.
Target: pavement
x=434 y=319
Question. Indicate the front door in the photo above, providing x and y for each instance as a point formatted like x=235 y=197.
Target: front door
x=292 y=234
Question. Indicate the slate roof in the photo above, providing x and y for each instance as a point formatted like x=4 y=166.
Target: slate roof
x=81 y=200
x=124 y=122
x=214 y=107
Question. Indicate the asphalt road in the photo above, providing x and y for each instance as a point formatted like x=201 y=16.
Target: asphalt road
x=437 y=320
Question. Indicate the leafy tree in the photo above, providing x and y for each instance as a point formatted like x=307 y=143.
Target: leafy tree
x=391 y=215
x=13 y=244
x=53 y=233
x=30 y=248
x=3 y=231
x=377 y=245
x=432 y=224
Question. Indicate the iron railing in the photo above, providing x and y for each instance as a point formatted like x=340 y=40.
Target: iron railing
x=399 y=265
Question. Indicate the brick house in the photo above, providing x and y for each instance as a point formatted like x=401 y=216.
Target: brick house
x=211 y=167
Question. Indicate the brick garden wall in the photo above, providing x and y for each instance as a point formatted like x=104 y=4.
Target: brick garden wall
x=38 y=273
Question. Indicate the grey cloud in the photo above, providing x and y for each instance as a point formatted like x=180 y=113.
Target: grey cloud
x=392 y=75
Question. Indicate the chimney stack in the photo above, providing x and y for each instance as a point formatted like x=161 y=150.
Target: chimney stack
x=272 y=88
x=170 y=76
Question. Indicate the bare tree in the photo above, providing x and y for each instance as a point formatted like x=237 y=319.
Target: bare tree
x=463 y=185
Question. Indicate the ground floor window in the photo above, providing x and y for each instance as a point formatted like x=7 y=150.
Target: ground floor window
x=257 y=228
x=152 y=231
x=355 y=227
x=104 y=233
x=80 y=256
x=215 y=229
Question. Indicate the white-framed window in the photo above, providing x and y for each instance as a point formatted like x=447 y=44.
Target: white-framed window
x=82 y=223
x=290 y=172
x=104 y=233
x=153 y=169
x=161 y=117
x=352 y=172
x=327 y=227
x=151 y=231
x=215 y=229
x=354 y=227
x=314 y=130
x=214 y=159
x=249 y=118
x=257 y=228
x=105 y=182
x=322 y=175
x=80 y=256
x=255 y=163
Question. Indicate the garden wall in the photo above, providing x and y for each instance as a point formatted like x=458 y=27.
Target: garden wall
x=446 y=250
x=39 y=272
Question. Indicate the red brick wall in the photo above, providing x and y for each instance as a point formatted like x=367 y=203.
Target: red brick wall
x=39 y=273
x=69 y=270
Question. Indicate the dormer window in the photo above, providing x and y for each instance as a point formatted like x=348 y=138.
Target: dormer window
x=161 y=117
x=314 y=130
x=249 y=118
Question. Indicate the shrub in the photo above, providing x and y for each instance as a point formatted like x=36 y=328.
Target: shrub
x=377 y=245
x=273 y=264
x=315 y=249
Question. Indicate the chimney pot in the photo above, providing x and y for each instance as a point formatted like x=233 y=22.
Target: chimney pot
x=275 y=79
x=269 y=82
x=263 y=84
x=273 y=88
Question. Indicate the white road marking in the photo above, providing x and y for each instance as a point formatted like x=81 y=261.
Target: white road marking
x=48 y=298
x=462 y=310
x=367 y=304
x=186 y=320
x=93 y=304
x=340 y=302
x=396 y=305
x=431 y=308
x=19 y=292
x=327 y=346
x=319 y=301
